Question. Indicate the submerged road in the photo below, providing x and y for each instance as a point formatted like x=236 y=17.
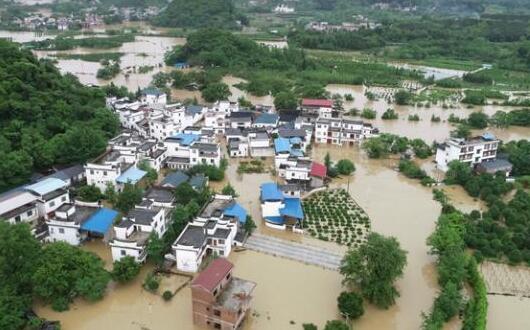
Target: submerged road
x=305 y=253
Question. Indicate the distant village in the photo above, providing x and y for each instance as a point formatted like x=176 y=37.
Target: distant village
x=174 y=138
x=85 y=19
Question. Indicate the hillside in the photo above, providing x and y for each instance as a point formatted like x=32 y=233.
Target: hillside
x=46 y=118
x=199 y=13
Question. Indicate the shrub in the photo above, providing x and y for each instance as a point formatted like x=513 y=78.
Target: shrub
x=390 y=114
x=151 y=282
x=350 y=305
x=368 y=113
x=167 y=295
x=125 y=269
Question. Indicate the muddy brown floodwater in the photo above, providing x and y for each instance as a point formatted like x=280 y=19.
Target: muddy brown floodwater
x=144 y=51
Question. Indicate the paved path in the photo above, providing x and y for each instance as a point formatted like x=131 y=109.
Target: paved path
x=295 y=251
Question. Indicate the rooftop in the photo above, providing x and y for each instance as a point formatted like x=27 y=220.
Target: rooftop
x=46 y=186
x=184 y=139
x=159 y=194
x=317 y=103
x=175 y=179
x=101 y=221
x=235 y=293
x=131 y=175
x=192 y=235
x=212 y=275
x=270 y=191
x=142 y=216
x=267 y=118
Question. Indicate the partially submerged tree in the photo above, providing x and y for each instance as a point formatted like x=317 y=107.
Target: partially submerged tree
x=374 y=267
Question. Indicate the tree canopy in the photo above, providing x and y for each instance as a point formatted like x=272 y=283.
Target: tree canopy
x=46 y=118
x=199 y=13
x=374 y=267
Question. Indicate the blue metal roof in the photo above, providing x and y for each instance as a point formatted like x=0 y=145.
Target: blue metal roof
x=132 y=175
x=187 y=139
x=46 y=186
x=282 y=145
x=236 y=210
x=267 y=118
x=175 y=179
x=488 y=136
x=194 y=109
x=100 y=221
x=293 y=208
x=270 y=191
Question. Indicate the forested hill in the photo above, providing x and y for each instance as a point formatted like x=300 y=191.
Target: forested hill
x=46 y=118
x=200 y=13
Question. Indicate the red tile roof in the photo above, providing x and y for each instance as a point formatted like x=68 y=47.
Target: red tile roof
x=317 y=103
x=319 y=170
x=210 y=278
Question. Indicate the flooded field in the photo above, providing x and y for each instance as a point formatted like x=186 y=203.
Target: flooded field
x=424 y=129
x=144 y=51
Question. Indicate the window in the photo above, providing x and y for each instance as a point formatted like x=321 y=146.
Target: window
x=215 y=292
x=92 y=172
x=30 y=213
x=217 y=312
x=221 y=241
x=63 y=199
x=217 y=326
x=105 y=173
x=17 y=218
x=52 y=204
x=123 y=252
x=221 y=252
x=61 y=230
x=228 y=276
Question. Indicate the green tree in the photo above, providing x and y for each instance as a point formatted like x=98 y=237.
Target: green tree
x=125 y=269
x=229 y=190
x=374 y=267
x=110 y=193
x=65 y=271
x=285 y=100
x=336 y=325
x=184 y=193
x=249 y=225
x=156 y=248
x=462 y=131
x=402 y=97
x=215 y=92
x=345 y=167
x=89 y=193
x=478 y=120
x=309 y=326
x=128 y=198
x=19 y=257
x=376 y=148
x=350 y=305
x=151 y=175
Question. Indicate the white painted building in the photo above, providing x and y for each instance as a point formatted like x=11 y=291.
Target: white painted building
x=205 y=153
x=130 y=235
x=19 y=206
x=342 y=131
x=472 y=151
x=214 y=231
x=51 y=194
x=153 y=96
x=216 y=121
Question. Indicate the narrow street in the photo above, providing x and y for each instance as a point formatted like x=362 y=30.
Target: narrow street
x=305 y=253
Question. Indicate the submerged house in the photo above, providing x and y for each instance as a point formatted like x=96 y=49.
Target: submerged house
x=220 y=300
x=75 y=223
x=280 y=210
x=214 y=231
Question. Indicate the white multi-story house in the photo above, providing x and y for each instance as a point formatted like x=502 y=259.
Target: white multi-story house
x=205 y=153
x=179 y=150
x=131 y=234
x=51 y=194
x=241 y=119
x=216 y=121
x=472 y=151
x=214 y=231
x=260 y=144
x=283 y=9
x=225 y=106
x=322 y=107
x=162 y=128
x=342 y=131
x=153 y=96
x=296 y=169
x=268 y=121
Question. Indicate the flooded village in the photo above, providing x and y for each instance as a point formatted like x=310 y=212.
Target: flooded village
x=289 y=292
